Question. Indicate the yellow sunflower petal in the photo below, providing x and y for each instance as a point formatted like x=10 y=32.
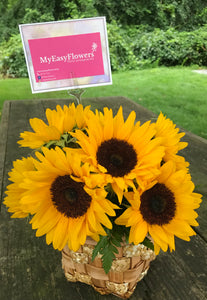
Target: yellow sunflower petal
x=102 y=216
x=166 y=129
x=123 y=219
x=59 y=120
x=127 y=127
x=108 y=125
x=61 y=234
x=159 y=236
x=14 y=191
x=75 y=227
x=133 y=198
x=156 y=248
x=92 y=219
x=118 y=121
x=138 y=234
x=133 y=219
x=180 y=228
x=49 y=236
x=118 y=191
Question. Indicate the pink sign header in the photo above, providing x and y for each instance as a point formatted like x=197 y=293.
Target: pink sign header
x=63 y=57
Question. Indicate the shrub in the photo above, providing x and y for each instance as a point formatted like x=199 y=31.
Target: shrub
x=33 y=16
x=171 y=47
x=12 y=60
x=130 y=47
x=121 y=50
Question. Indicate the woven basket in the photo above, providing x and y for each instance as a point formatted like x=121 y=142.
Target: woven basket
x=129 y=267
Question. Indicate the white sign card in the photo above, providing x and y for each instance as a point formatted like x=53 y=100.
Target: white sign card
x=66 y=54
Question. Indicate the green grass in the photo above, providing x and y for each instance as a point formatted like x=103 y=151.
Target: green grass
x=178 y=92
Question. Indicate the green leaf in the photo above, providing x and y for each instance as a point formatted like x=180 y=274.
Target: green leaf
x=116 y=242
x=113 y=249
x=148 y=243
x=108 y=245
x=107 y=260
x=100 y=245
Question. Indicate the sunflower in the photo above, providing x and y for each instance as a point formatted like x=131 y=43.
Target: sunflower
x=14 y=191
x=65 y=207
x=166 y=129
x=163 y=210
x=60 y=121
x=122 y=151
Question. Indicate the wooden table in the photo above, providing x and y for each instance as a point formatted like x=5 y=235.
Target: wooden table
x=31 y=270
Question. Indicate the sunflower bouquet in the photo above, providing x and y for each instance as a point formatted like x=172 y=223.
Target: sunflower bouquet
x=94 y=174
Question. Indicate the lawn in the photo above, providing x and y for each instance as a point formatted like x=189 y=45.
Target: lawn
x=178 y=92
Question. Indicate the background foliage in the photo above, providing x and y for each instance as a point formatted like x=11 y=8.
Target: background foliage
x=141 y=33
x=182 y=14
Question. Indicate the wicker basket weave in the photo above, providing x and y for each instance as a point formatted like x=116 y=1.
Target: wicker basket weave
x=129 y=267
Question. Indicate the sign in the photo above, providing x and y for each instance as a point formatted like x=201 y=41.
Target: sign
x=66 y=54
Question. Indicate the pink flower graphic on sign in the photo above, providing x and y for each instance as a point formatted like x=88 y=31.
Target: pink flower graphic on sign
x=94 y=47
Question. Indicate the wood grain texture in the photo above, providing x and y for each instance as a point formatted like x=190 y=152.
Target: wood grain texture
x=31 y=270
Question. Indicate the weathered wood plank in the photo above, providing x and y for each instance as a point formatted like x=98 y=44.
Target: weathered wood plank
x=182 y=274
x=31 y=270
x=3 y=139
x=196 y=154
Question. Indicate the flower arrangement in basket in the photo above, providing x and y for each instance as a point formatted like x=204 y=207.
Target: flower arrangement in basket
x=107 y=192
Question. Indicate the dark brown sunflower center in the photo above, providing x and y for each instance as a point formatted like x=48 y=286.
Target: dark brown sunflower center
x=117 y=156
x=116 y=160
x=69 y=197
x=158 y=205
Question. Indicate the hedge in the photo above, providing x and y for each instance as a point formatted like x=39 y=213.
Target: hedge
x=130 y=47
